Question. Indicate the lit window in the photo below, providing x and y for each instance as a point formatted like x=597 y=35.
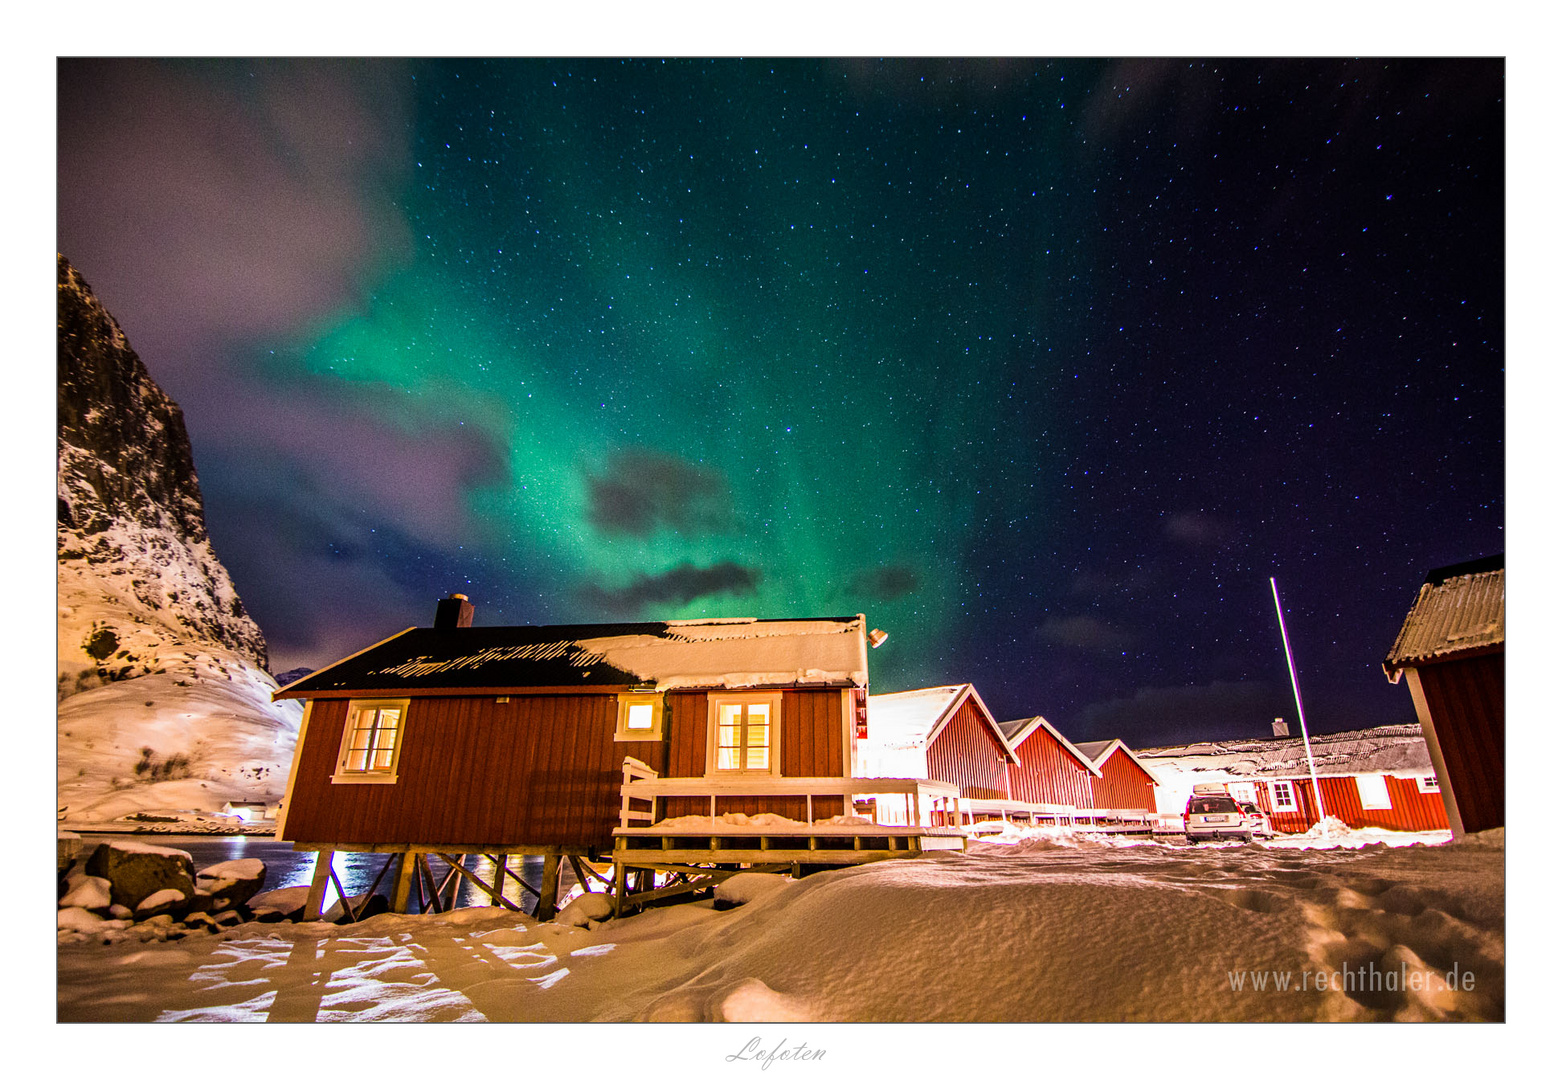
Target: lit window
x=1373 y=791
x=371 y=742
x=743 y=733
x=1283 y=795
x=639 y=717
x=1428 y=784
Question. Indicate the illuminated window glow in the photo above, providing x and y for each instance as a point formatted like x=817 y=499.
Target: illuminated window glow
x=371 y=742
x=639 y=717
x=743 y=733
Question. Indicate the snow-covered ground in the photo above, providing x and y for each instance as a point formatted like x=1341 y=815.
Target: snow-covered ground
x=1037 y=926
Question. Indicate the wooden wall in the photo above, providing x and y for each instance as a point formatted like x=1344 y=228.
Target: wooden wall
x=1122 y=785
x=1466 y=702
x=1047 y=773
x=541 y=769
x=1410 y=810
x=968 y=752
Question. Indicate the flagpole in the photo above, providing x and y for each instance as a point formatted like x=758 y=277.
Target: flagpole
x=1297 y=690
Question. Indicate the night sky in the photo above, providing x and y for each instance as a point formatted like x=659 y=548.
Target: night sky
x=1046 y=366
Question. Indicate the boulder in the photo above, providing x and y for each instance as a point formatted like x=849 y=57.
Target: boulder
x=75 y=918
x=167 y=902
x=231 y=883
x=229 y=918
x=135 y=871
x=199 y=920
x=586 y=908
x=279 y=905
x=90 y=893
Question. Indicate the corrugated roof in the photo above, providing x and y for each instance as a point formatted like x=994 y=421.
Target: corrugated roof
x=720 y=653
x=1456 y=615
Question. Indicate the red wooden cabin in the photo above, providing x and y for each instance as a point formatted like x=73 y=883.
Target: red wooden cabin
x=458 y=739
x=1450 y=653
x=1047 y=767
x=1125 y=782
x=944 y=733
x=1361 y=800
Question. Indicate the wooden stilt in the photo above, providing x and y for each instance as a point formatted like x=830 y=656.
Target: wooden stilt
x=619 y=874
x=497 y=896
x=316 y=898
x=479 y=883
x=430 y=899
x=452 y=882
x=548 y=898
x=403 y=891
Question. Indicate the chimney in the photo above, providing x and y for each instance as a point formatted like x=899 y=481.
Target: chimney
x=1282 y=729
x=453 y=612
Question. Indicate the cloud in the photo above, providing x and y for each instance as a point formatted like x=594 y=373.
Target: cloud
x=1200 y=530
x=674 y=587
x=1084 y=632
x=645 y=490
x=212 y=203
x=886 y=583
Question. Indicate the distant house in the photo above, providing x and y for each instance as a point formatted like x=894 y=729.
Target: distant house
x=1377 y=778
x=1047 y=768
x=945 y=733
x=1450 y=654
x=1124 y=782
x=471 y=742
x=247 y=811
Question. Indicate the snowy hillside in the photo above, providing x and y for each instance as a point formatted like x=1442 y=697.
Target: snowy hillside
x=155 y=651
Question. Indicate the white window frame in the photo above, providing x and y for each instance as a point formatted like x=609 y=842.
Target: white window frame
x=343 y=774
x=625 y=733
x=1290 y=806
x=713 y=715
x=1428 y=785
x=1372 y=790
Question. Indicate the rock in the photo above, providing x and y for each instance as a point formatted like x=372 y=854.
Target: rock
x=229 y=918
x=279 y=905
x=80 y=919
x=587 y=907
x=164 y=902
x=199 y=920
x=120 y=911
x=136 y=871
x=90 y=893
x=234 y=881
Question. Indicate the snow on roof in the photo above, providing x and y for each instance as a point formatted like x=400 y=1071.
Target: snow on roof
x=720 y=653
x=907 y=718
x=1452 y=614
x=1396 y=748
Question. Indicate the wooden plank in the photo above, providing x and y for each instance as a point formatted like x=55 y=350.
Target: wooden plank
x=548 y=898
x=316 y=898
x=403 y=890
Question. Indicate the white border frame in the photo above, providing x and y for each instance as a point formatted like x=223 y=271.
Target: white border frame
x=624 y=733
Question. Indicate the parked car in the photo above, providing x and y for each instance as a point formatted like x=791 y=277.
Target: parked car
x=1215 y=817
x=1257 y=820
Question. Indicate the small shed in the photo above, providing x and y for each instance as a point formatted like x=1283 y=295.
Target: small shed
x=1450 y=654
x=1125 y=782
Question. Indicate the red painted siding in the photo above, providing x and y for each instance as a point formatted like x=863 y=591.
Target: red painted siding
x=968 y=752
x=1047 y=773
x=1122 y=784
x=1466 y=700
x=536 y=770
x=1410 y=810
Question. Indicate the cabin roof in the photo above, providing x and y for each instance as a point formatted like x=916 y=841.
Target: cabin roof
x=1017 y=731
x=688 y=654
x=1460 y=609
x=913 y=718
x=1098 y=751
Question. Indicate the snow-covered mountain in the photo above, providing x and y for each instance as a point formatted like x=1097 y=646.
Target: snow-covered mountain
x=164 y=697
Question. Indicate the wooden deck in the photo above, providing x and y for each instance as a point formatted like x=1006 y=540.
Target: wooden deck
x=995 y=813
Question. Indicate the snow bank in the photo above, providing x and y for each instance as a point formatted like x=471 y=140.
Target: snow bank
x=741 y=889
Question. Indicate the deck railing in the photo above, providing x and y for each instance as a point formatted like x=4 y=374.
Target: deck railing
x=998 y=811
x=897 y=801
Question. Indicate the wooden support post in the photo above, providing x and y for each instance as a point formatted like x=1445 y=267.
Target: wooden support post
x=502 y=860
x=547 y=901
x=403 y=890
x=452 y=880
x=618 y=888
x=316 y=900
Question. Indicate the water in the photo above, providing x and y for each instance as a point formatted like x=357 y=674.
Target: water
x=286 y=868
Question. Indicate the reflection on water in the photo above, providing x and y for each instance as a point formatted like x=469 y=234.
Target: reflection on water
x=286 y=868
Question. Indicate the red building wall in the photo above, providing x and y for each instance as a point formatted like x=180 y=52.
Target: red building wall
x=968 y=752
x=1122 y=785
x=1466 y=702
x=1047 y=773
x=1411 y=809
